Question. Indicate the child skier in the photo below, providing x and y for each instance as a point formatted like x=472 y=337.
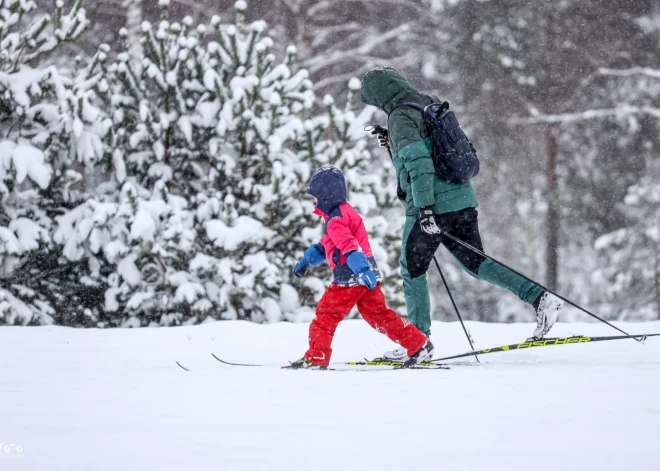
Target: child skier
x=345 y=244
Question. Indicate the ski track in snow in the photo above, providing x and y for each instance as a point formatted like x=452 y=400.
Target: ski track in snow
x=77 y=399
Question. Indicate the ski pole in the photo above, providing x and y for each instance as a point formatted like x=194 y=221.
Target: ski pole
x=481 y=252
x=455 y=308
x=382 y=135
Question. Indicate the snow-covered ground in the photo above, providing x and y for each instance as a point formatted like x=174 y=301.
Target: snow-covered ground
x=115 y=400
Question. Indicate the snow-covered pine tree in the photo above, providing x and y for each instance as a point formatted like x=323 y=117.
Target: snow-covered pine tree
x=197 y=171
x=631 y=256
x=279 y=140
x=213 y=145
x=51 y=131
x=142 y=221
x=257 y=209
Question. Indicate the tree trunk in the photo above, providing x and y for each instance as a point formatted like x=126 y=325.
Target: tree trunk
x=657 y=279
x=553 y=220
x=550 y=106
x=133 y=25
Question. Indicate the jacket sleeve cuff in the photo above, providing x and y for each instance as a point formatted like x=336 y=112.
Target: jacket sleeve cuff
x=315 y=254
x=422 y=199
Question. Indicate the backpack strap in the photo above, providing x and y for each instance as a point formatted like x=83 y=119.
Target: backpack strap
x=409 y=104
x=419 y=107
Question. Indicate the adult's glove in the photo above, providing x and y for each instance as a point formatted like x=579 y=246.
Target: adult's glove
x=359 y=264
x=312 y=256
x=381 y=134
x=427 y=221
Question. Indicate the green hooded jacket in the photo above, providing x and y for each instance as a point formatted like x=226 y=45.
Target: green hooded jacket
x=384 y=88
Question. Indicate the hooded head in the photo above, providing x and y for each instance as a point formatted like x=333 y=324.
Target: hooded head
x=328 y=186
x=383 y=88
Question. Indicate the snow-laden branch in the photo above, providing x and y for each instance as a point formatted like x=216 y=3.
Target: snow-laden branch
x=647 y=71
x=343 y=78
x=321 y=61
x=607 y=72
x=196 y=6
x=319 y=7
x=619 y=111
x=325 y=34
x=369 y=62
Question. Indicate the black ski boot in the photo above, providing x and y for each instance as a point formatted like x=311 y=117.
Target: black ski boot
x=304 y=364
x=423 y=354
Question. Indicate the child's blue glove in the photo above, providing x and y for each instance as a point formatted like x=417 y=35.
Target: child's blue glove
x=314 y=255
x=359 y=264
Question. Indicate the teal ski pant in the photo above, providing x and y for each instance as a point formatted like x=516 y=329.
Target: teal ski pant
x=418 y=250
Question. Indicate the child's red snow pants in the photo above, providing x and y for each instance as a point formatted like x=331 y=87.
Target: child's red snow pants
x=338 y=301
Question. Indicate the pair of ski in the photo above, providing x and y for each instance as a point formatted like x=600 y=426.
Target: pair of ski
x=434 y=365
x=384 y=364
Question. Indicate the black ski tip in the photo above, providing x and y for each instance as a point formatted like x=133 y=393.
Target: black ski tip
x=231 y=364
x=221 y=361
x=182 y=367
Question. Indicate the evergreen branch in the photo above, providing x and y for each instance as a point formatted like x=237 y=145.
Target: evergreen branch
x=619 y=112
x=44 y=47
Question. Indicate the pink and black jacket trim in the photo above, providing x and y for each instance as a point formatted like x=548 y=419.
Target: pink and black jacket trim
x=343 y=231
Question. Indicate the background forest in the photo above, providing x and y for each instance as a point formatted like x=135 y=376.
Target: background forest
x=154 y=154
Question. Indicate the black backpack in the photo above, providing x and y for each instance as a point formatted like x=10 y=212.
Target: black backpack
x=454 y=157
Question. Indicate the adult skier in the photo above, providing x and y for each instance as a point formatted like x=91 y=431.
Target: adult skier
x=434 y=205
x=345 y=245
